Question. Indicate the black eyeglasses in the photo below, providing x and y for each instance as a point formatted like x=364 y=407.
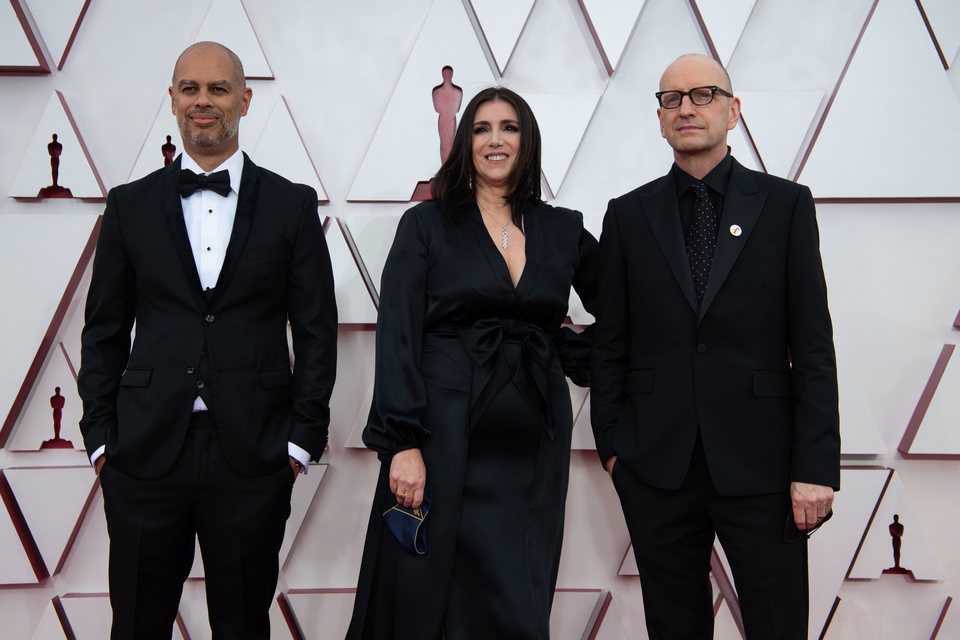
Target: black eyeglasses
x=700 y=96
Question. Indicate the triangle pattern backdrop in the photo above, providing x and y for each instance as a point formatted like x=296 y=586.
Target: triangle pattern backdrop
x=501 y=22
x=58 y=22
x=890 y=162
x=19 y=51
x=227 y=22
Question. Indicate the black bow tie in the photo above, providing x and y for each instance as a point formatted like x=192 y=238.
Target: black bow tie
x=188 y=183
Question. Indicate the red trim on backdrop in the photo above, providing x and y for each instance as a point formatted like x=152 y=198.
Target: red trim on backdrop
x=23 y=531
x=836 y=90
x=923 y=404
x=42 y=66
x=73 y=34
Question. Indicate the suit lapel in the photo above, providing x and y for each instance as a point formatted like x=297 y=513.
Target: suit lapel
x=173 y=212
x=741 y=207
x=242 y=222
x=663 y=215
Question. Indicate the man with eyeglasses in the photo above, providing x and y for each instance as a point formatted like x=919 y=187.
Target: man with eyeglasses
x=714 y=385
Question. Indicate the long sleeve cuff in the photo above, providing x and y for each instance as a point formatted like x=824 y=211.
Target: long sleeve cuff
x=300 y=455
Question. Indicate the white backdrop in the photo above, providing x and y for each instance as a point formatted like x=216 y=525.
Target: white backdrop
x=857 y=99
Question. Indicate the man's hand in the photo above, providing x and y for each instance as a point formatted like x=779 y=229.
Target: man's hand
x=295 y=465
x=811 y=502
x=408 y=477
x=609 y=464
x=99 y=464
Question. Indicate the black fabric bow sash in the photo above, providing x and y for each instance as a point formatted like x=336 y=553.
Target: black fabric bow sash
x=491 y=372
x=189 y=182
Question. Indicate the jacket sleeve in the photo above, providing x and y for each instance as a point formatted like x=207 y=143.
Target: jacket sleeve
x=611 y=337
x=108 y=320
x=396 y=420
x=574 y=348
x=312 y=311
x=816 y=420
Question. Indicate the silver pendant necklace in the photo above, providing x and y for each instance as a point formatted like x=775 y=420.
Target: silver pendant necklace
x=504 y=232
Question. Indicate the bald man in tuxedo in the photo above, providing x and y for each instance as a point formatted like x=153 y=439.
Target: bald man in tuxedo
x=199 y=429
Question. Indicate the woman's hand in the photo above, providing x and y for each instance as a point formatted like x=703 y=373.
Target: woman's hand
x=408 y=477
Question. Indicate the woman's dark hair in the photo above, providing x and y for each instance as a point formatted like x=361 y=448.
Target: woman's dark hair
x=453 y=185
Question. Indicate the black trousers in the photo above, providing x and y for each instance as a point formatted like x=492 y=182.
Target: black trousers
x=152 y=524
x=672 y=534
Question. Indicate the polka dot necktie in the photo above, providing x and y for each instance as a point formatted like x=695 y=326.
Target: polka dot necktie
x=701 y=238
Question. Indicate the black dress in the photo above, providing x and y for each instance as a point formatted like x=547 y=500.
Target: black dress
x=470 y=369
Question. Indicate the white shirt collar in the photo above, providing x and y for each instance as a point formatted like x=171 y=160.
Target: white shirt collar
x=233 y=164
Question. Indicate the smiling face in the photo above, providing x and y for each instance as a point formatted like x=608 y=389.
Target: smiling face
x=496 y=143
x=698 y=130
x=209 y=96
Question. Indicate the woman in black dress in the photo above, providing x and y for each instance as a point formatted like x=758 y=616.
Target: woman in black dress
x=470 y=397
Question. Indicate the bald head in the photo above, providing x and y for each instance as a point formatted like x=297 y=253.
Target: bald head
x=696 y=63
x=215 y=47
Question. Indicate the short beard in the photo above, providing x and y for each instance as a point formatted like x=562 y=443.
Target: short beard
x=205 y=139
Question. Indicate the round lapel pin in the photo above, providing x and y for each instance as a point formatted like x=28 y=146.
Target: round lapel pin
x=735 y=230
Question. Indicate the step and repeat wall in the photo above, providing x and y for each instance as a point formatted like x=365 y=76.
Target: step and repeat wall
x=857 y=99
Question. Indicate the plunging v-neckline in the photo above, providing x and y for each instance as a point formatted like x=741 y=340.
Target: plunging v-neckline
x=503 y=259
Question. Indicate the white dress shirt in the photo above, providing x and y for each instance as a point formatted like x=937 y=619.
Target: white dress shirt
x=209 y=218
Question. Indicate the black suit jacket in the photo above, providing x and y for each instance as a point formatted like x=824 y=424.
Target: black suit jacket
x=277 y=268
x=752 y=368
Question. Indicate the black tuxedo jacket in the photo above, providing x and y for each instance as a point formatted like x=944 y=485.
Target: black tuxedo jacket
x=752 y=368
x=232 y=343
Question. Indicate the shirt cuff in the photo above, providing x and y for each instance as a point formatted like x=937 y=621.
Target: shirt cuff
x=96 y=454
x=300 y=455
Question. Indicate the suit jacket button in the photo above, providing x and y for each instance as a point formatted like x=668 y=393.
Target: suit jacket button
x=208 y=317
x=701 y=348
x=191 y=370
x=200 y=384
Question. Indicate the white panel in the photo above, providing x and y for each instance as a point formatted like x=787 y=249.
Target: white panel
x=571 y=613
x=612 y=22
x=869 y=128
x=49 y=627
x=859 y=434
x=15 y=567
x=725 y=21
x=374 y=236
x=939 y=431
x=15 y=49
x=556 y=54
x=405 y=148
x=323 y=614
x=56 y=21
x=354 y=304
x=76 y=172
x=353 y=392
x=916 y=554
x=502 y=22
x=797 y=46
x=227 y=23
x=52 y=501
x=35 y=426
x=563 y=119
x=89 y=615
x=779 y=122
x=944 y=17
x=282 y=150
x=30 y=303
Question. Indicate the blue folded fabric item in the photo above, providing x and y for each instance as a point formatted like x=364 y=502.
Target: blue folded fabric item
x=407 y=525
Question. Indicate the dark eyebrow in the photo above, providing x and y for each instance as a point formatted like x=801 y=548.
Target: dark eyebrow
x=213 y=83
